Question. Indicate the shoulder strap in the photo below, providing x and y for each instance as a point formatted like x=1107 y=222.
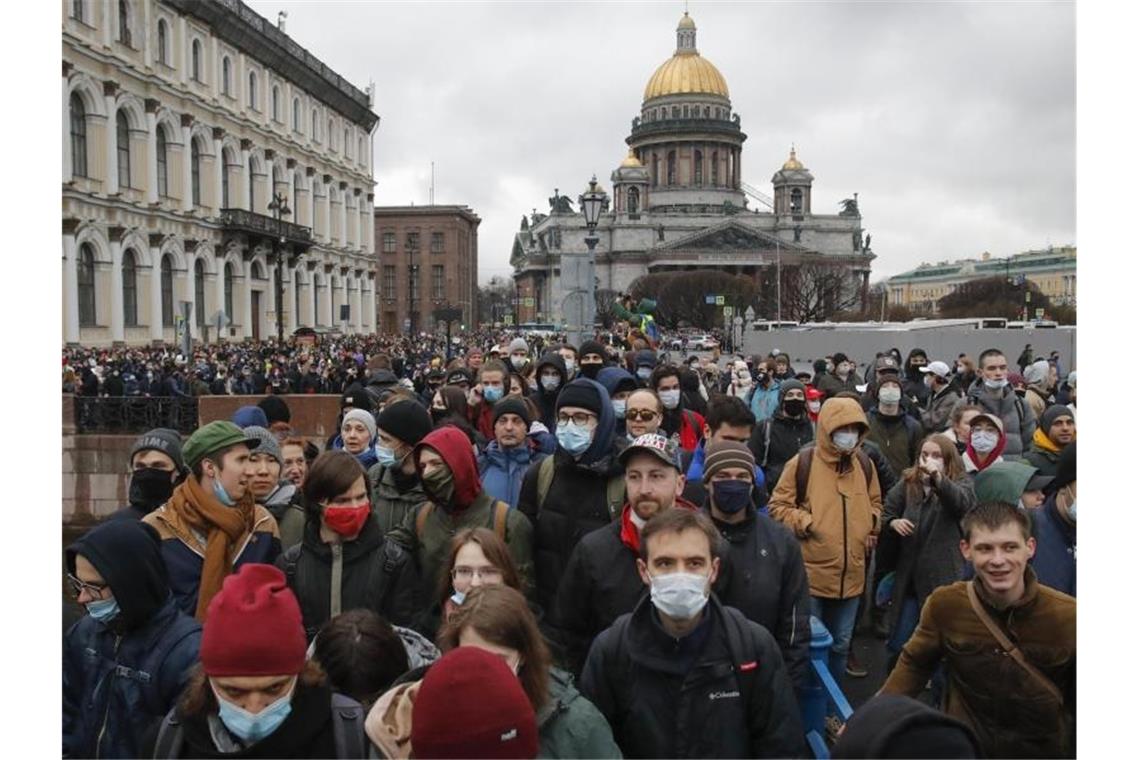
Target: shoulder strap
x=292 y=556
x=421 y=519
x=615 y=495
x=868 y=468
x=692 y=418
x=744 y=659
x=545 y=479
x=169 y=741
x=767 y=442
x=158 y=649
x=803 y=471
x=502 y=509
x=1010 y=648
x=348 y=727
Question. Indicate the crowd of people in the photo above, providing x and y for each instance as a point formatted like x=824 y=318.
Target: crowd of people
x=547 y=550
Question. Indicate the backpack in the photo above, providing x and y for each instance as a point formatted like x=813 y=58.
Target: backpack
x=803 y=470
x=147 y=676
x=348 y=731
x=615 y=487
x=498 y=519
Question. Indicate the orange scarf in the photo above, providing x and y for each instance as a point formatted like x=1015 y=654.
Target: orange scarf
x=226 y=529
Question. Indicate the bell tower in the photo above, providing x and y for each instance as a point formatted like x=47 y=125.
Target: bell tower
x=791 y=187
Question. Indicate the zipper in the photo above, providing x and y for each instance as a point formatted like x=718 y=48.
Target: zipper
x=792 y=636
x=247 y=539
x=843 y=573
x=110 y=694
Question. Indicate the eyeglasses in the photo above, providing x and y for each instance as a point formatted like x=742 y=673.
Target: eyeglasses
x=78 y=587
x=488 y=573
x=579 y=418
x=641 y=415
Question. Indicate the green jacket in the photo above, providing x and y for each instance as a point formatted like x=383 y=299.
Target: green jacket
x=1003 y=481
x=1044 y=460
x=391 y=505
x=570 y=726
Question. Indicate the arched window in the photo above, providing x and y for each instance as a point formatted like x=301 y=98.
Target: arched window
x=226 y=81
x=276 y=103
x=130 y=290
x=195 y=173
x=123 y=148
x=634 y=200
x=797 y=201
x=698 y=168
x=225 y=181
x=253 y=90
x=160 y=158
x=316 y=311
x=77 y=10
x=316 y=127
x=296 y=114
x=346 y=143
x=716 y=168
x=251 y=181
x=199 y=292
x=167 y=283
x=655 y=170
x=124 y=23
x=196 y=61
x=331 y=134
x=162 y=53
x=296 y=196
x=86 y=281
x=78 y=137
x=360 y=150
x=671 y=168
x=228 y=286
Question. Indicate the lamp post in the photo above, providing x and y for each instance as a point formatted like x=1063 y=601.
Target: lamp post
x=447 y=314
x=578 y=306
x=280 y=207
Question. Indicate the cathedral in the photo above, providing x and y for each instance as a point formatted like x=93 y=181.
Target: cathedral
x=678 y=203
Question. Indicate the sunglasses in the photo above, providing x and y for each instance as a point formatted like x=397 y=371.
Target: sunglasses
x=641 y=415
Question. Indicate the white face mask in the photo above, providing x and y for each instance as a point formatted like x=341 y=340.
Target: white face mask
x=813 y=406
x=939 y=464
x=845 y=440
x=983 y=441
x=995 y=385
x=671 y=399
x=550 y=382
x=680 y=596
x=890 y=394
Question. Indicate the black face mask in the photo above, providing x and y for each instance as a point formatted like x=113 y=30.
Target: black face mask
x=794 y=407
x=438 y=414
x=590 y=371
x=150 y=488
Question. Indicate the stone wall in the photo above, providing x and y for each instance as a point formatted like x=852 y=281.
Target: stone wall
x=95 y=467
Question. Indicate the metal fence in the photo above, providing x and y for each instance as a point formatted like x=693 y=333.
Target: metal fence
x=134 y=414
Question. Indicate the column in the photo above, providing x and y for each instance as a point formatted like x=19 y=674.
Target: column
x=187 y=162
x=291 y=185
x=188 y=284
x=151 y=151
x=270 y=185
x=70 y=289
x=155 y=289
x=362 y=222
x=370 y=226
x=344 y=217
x=220 y=291
x=328 y=208
x=330 y=313
x=109 y=22
x=310 y=317
x=184 y=41
x=358 y=306
x=313 y=198
x=219 y=167
x=144 y=32
x=112 y=183
x=117 y=333
x=370 y=325
x=247 y=315
x=246 y=177
x=290 y=289
x=67 y=170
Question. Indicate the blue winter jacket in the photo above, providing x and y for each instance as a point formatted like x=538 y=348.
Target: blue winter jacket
x=502 y=470
x=765 y=401
x=1056 y=559
x=695 y=489
x=122 y=676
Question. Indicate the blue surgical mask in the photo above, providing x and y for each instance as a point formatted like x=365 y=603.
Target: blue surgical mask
x=619 y=407
x=644 y=372
x=103 y=610
x=252 y=728
x=731 y=496
x=221 y=495
x=550 y=382
x=671 y=399
x=385 y=455
x=459 y=597
x=492 y=393
x=1073 y=510
x=574 y=438
x=845 y=440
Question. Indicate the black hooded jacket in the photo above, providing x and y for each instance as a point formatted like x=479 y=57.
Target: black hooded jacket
x=913 y=386
x=891 y=725
x=780 y=437
x=545 y=399
x=121 y=677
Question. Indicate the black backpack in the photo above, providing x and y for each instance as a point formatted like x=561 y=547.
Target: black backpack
x=348 y=731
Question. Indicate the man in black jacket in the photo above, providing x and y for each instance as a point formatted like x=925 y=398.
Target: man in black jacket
x=762 y=568
x=779 y=437
x=682 y=675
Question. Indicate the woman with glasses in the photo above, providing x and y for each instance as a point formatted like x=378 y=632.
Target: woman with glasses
x=477 y=557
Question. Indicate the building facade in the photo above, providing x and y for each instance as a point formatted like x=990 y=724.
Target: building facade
x=182 y=120
x=679 y=203
x=428 y=258
x=1053 y=270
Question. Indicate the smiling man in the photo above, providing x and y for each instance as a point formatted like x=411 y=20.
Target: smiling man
x=971 y=626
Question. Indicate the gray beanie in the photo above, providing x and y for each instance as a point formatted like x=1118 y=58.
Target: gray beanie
x=1036 y=372
x=266 y=443
x=518 y=344
x=167 y=441
x=364 y=418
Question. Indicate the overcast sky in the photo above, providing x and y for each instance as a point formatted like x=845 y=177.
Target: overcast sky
x=955 y=122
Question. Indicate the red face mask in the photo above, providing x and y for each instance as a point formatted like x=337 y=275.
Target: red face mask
x=347 y=521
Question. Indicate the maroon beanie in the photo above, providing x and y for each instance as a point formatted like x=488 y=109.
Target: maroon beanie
x=253 y=626
x=471 y=705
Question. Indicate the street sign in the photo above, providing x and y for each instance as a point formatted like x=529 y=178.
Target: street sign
x=720 y=300
x=738 y=321
x=750 y=314
x=1040 y=312
x=528 y=302
x=728 y=311
x=710 y=300
x=407 y=324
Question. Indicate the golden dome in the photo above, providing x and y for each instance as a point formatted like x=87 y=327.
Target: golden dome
x=687 y=22
x=686 y=72
x=793 y=163
x=631 y=162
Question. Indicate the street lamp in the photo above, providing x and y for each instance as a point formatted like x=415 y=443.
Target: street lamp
x=580 y=322
x=280 y=207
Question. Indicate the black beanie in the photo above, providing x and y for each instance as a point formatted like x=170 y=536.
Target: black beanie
x=591 y=347
x=581 y=394
x=1066 y=468
x=511 y=405
x=406 y=421
x=275 y=408
x=891 y=725
x=356 y=397
x=1052 y=414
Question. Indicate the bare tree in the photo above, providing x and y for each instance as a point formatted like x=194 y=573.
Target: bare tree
x=681 y=296
x=813 y=292
x=495 y=299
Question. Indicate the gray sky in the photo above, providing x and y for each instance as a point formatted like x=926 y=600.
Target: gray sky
x=954 y=121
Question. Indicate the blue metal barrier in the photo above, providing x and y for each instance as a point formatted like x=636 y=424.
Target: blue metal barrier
x=814 y=700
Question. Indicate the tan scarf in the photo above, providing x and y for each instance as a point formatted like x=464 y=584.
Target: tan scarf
x=226 y=528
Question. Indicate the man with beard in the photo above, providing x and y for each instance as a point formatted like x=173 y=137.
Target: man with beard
x=1055 y=430
x=156 y=468
x=592 y=357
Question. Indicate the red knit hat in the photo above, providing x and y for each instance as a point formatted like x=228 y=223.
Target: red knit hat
x=253 y=626
x=471 y=705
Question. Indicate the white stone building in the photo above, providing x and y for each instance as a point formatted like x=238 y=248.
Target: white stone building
x=181 y=121
x=677 y=202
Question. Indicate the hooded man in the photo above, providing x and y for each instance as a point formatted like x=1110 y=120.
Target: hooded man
x=1037 y=392
x=841 y=378
x=504 y=463
x=591 y=359
x=127 y=661
x=914 y=386
x=576 y=490
x=619 y=384
x=211 y=525
x=644 y=362
x=1056 y=528
x=394 y=482
x=896 y=433
x=783 y=434
x=835 y=513
x=1056 y=429
x=992 y=391
x=550 y=374
x=156 y=467
x=450 y=478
